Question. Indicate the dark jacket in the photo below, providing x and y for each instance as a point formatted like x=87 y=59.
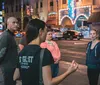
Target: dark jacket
x=8 y=51
x=93 y=55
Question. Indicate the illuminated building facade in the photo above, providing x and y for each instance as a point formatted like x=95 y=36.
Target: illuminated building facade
x=54 y=12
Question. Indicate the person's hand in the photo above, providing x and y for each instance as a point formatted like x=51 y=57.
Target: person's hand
x=73 y=67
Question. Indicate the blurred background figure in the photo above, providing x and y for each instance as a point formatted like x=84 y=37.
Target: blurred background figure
x=55 y=51
x=22 y=42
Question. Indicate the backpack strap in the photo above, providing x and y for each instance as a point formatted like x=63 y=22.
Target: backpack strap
x=40 y=67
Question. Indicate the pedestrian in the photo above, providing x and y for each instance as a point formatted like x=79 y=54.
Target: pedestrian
x=22 y=43
x=93 y=57
x=8 y=52
x=29 y=58
x=54 y=49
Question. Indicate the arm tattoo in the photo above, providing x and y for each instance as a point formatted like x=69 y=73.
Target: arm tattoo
x=2 y=52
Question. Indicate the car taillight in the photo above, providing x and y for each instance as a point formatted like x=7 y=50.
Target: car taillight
x=76 y=34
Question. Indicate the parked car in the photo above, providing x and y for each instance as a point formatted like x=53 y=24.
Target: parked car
x=57 y=34
x=71 y=34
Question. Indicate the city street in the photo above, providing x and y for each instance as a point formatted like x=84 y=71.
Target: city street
x=72 y=23
x=73 y=50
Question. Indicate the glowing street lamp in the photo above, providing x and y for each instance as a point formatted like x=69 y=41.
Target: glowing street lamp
x=57 y=13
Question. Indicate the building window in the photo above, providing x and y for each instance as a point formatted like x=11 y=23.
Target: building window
x=94 y=2
x=36 y=4
x=7 y=10
x=16 y=8
x=51 y=8
x=19 y=7
x=64 y=2
x=41 y=4
x=24 y=7
x=51 y=3
x=11 y=8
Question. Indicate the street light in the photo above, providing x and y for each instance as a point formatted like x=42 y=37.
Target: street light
x=26 y=2
x=22 y=14
x=57 y=13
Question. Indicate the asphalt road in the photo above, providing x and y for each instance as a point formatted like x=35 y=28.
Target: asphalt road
x=73 y=50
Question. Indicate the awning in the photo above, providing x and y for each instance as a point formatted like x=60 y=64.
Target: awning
x=69 y=26
x=95 y=17
x=67 y=23
x=58 y=26
x=51 y=22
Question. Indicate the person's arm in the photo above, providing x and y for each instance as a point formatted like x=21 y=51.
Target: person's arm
x=47 y=78
x=16 y=74
x=57 y=51
x=98 y=53
x=3 y=46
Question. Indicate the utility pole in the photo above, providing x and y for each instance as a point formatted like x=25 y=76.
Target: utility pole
x=22 y=14
x=57 y=13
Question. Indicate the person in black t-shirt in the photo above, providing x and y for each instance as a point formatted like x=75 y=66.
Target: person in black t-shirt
x=29 y=58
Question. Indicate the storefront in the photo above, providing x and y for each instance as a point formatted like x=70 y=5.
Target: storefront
x=95 y=16
x=76 y=16
x=52 y=20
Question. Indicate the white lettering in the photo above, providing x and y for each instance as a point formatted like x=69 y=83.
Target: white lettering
x=20 y=59
x=30 y=58
x=24 y=59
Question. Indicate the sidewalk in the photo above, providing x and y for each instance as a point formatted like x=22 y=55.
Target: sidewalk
x=77 y=78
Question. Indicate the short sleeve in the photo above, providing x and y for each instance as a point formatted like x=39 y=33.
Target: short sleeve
x=43 y=45
x=47 y=59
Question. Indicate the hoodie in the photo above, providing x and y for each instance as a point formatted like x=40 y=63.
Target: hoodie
x=93 y=56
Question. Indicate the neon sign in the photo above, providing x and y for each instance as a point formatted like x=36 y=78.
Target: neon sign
x=71 y=10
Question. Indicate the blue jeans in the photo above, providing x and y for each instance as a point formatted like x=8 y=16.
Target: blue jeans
x=55 y=69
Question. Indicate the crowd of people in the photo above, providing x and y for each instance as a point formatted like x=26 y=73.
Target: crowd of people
x=23 y=61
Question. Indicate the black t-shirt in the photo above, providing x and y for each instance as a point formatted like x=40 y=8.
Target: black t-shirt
x=28 y=64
